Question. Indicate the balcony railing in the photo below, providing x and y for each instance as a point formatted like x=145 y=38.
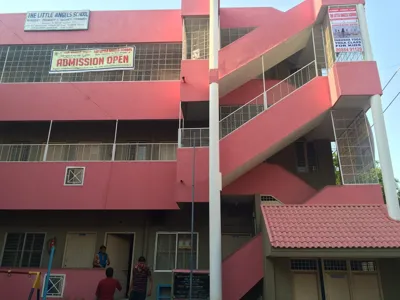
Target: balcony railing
x=267 y=99
x=190 y=137
x=88 y=152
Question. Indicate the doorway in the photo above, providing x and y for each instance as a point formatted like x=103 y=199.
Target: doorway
x=120 y=247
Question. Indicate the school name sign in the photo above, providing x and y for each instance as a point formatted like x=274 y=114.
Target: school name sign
x=90 y=60
x=57 y=20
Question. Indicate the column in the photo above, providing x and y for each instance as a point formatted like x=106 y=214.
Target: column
x=214 y=169
x=380 y=128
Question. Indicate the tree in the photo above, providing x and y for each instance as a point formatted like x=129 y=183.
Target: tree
x=373 y=173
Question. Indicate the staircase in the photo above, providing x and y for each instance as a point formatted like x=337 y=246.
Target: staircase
x=272 y=121
x=243 y=269
x=280 y=37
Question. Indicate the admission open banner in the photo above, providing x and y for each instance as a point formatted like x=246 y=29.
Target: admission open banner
x=89 y=60
x=345 y=29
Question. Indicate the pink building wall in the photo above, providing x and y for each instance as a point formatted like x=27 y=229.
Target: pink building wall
x=107 y=185
x=80 y=284
x=104 y=27
x=140 y=100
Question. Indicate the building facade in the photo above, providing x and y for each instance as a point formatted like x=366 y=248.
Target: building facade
x=104 y=140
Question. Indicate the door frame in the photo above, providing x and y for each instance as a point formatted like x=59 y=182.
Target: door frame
x=66 y=244
x=133 y=247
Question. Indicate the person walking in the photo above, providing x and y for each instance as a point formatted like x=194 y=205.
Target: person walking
x=107 y=286
x=140 y=276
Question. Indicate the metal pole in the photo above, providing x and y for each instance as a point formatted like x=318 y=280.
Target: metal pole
x=389 y=184
x=215 y=184
x=46 y=148
x=263 y=78
x=115 y=141
x=46 y=282
x=315 y=52
x=192 y=218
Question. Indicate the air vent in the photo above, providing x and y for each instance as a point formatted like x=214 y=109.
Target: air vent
x=269 y=200
x=56 y=285
x=74 y=176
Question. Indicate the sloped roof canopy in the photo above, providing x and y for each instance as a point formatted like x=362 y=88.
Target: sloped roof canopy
x=330 y=231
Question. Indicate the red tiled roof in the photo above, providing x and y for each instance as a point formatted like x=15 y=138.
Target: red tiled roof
x=331 y=226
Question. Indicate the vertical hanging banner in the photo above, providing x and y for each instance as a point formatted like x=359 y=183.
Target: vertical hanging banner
x=345 y=29
x=90 y=60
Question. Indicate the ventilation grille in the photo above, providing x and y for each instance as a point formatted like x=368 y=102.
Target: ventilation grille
x=74 y=176
x=56 y=285
x=363 y=266
x=269 y=200
x=303 y=265
x=335 y=265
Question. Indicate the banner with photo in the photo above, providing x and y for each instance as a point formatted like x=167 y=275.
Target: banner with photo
x=345 y=29
x=90 y=60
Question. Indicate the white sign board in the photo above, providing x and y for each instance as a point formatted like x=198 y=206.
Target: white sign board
x=57 y=20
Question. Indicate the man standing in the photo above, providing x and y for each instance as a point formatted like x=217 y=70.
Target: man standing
x=141 y=274
x=101 y=259
x=107 y=286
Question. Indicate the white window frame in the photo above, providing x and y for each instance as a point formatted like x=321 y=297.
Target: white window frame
x=63 y=285
x=74 y=167
x=176 y=233
x=23 y=245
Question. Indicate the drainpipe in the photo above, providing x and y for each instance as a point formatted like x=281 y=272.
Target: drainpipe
x=380 y=128
x=215 y=184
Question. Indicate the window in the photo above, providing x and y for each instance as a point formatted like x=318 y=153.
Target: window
x=306 y=157
x=303 y=265
x=23 y=250
x=31 y=63
x=74 y=176
x=229 y=35
x=56 y=285
x=197 y=37
x=173 y=251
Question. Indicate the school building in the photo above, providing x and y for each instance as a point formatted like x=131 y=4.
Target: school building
x=112 y=122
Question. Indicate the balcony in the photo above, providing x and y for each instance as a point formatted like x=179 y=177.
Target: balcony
x=88 y=165
x=88 y=152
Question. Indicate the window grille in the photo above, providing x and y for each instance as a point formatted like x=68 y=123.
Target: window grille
x=173 y=251
x=229 y=35
x=303 y=265
x=56 y=285
x=23 y=250
x=335 y=265
x=74 y=175
x=31 y=63
x=363 y=266
x=197 y=35
x=268 y=198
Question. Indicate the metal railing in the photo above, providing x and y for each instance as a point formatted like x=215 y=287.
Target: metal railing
x=79 y=152
x=141 y=151
x=267 y=99
x=190 y=137
x=22 y=152
x=88 y=152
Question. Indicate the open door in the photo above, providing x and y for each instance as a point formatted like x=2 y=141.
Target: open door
x=120 y=249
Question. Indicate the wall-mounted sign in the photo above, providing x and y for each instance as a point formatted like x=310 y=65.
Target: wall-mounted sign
x=89 y=60
x=57 y=20
x=345 y=29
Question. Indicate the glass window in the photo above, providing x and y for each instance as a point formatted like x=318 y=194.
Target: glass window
x=173 y=251
x=23 y=250
x=31 y=63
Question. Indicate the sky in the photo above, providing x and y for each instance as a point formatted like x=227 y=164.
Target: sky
x=383 y=28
